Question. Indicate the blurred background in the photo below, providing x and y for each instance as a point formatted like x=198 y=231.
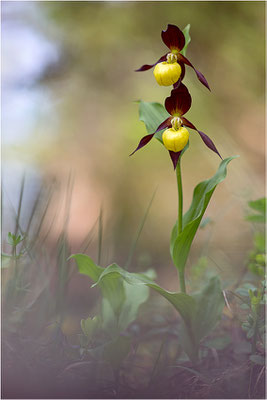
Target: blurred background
x=70 y=121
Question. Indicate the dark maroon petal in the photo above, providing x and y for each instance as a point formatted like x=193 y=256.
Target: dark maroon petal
x=200 y=76
x=188 y=123
x=208 y=142
x=175 y=157
x=183 y=70
x=179 y=101
x=177 y=84
x=206 y=139
x=143 y=142
x=147 y=66
x=164 y=124
x=173 y=37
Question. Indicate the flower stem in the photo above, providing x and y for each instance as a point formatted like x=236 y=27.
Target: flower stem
x=180 y=217
x=180 y=197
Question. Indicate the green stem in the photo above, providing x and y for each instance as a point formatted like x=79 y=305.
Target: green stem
x=180 y=217
x=180 y=197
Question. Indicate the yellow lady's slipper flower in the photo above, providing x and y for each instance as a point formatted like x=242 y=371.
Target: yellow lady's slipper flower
x=175 y=140
x=174 y=39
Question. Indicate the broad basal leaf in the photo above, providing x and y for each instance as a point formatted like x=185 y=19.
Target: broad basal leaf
x=121 y=296
x=181 y=244
x=183 y=303
x=112 y=289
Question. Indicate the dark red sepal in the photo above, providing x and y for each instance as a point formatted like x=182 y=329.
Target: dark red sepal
x=206 y=139
x=164 y=124
x=177 y=84
x=188 y=123
x=208 y=142
x=173 y=37
x=175 y=157
x=179 y=102
x=200 y=76
x=147 y=66
x=145 y=140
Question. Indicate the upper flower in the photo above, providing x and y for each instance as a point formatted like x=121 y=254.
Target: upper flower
x=174 y=39
x=177 y=104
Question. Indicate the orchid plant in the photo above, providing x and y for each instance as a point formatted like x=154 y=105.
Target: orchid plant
x=200 y=311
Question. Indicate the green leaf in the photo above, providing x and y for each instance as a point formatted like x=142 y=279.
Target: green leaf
x=134 y=297
x=259 y=242
x=152 y=114
x=187 y=39
x=183 y=303
x=112 y=289
x=14 y=240
x=86 y=266
x=181 y=244
x=256 y=218
x=210 y=304
x=258 y=205
x=90 y=325
x=121 y=300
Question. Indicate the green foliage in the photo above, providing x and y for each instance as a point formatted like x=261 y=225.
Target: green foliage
x=253 y=324
x=257 y=257
x=14 y=240
x=121 y=301
x=152 y=114
x=90 y=326
x=200 y=312
x=209 y=305
x=187 y=39
x=181 y=243
x=260 y=207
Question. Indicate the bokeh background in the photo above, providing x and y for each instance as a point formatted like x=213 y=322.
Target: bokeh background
x=69 y=114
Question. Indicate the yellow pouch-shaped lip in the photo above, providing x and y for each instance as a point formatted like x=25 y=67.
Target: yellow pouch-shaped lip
x=167 y=74
x=175 y=140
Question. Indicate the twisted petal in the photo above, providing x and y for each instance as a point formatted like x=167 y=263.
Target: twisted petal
x=147 y=66
x=175 y=157
x=177 y=84
x=179 y=101
x=173 y=37
x=206 y=139
x=145 y=140
x=200 y=76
